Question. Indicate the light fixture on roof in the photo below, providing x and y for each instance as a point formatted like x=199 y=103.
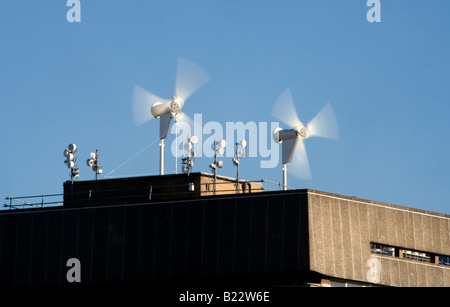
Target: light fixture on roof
x=70 y=161
x=219 y=148
x=93 y=163
x=188 y=162
x=240 y=152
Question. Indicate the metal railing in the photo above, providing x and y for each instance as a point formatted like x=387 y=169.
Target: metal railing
x=52 y=200
x=35 y=201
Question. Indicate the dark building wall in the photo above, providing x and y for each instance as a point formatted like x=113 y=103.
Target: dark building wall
x=149 y=188
x=211 y=236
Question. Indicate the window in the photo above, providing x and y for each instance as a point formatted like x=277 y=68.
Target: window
x=381 y=249
x=444 y=260
x=416 y=255
x=400 y=252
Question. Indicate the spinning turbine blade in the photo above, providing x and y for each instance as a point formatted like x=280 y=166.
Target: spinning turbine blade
x=324 y=124
x=300 y=166
x=284 y=110
x=142 y=103
x=190 y=77
x=185 y=122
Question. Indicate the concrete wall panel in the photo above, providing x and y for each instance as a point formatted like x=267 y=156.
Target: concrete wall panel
x=342 y=229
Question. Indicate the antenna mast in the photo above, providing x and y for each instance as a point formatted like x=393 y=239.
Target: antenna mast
x=93 y=162
x=70 y=161
x=219 y=148
x=236 y=161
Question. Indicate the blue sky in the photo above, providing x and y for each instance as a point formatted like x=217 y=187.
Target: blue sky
x=388 y=83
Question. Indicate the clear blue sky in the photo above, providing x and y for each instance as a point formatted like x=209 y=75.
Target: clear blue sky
x=388 y=83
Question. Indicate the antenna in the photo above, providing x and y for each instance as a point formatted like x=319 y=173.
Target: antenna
x=70 y=161
x=219 y=148
x=324 y=125
x=189 y=79
x=93 y=162
x=188 y=162
x=239 y=153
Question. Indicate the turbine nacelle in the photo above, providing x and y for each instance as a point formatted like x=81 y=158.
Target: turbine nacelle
x=173 y=106
x=279 y=135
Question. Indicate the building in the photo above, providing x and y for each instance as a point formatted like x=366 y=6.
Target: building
x=150 y=188
x=132 y=231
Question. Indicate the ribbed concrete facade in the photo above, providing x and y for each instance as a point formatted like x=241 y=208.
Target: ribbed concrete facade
x=341 y=230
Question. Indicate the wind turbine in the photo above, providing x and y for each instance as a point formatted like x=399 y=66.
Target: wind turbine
x=146 y=106
x=323 y=125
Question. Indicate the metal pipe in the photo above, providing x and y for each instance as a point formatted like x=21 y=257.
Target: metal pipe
x=161 y=157
x=284 y=177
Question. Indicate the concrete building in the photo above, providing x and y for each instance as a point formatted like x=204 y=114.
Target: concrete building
x=352 y=239
x=279 y=238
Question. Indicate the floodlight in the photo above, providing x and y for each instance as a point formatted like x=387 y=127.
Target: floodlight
x=194 y=139
x=70 y=161
x=216 y=165
x=221 y=143
x=188 y=146
x=219 y=148
x=240 y=152
x=70 y=157
x=73 y=148
x=243 y=144
x=187 y=162
x=93 y=163
x=220 y=151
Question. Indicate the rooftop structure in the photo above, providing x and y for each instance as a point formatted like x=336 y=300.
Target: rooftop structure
x=283 y=238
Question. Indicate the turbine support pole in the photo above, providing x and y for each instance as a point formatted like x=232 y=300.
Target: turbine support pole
x=284 y=177
x=164 y=125
x=161 y=157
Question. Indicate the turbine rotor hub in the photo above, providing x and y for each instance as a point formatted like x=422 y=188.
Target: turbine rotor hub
x=176 y=105
x=302 y=131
